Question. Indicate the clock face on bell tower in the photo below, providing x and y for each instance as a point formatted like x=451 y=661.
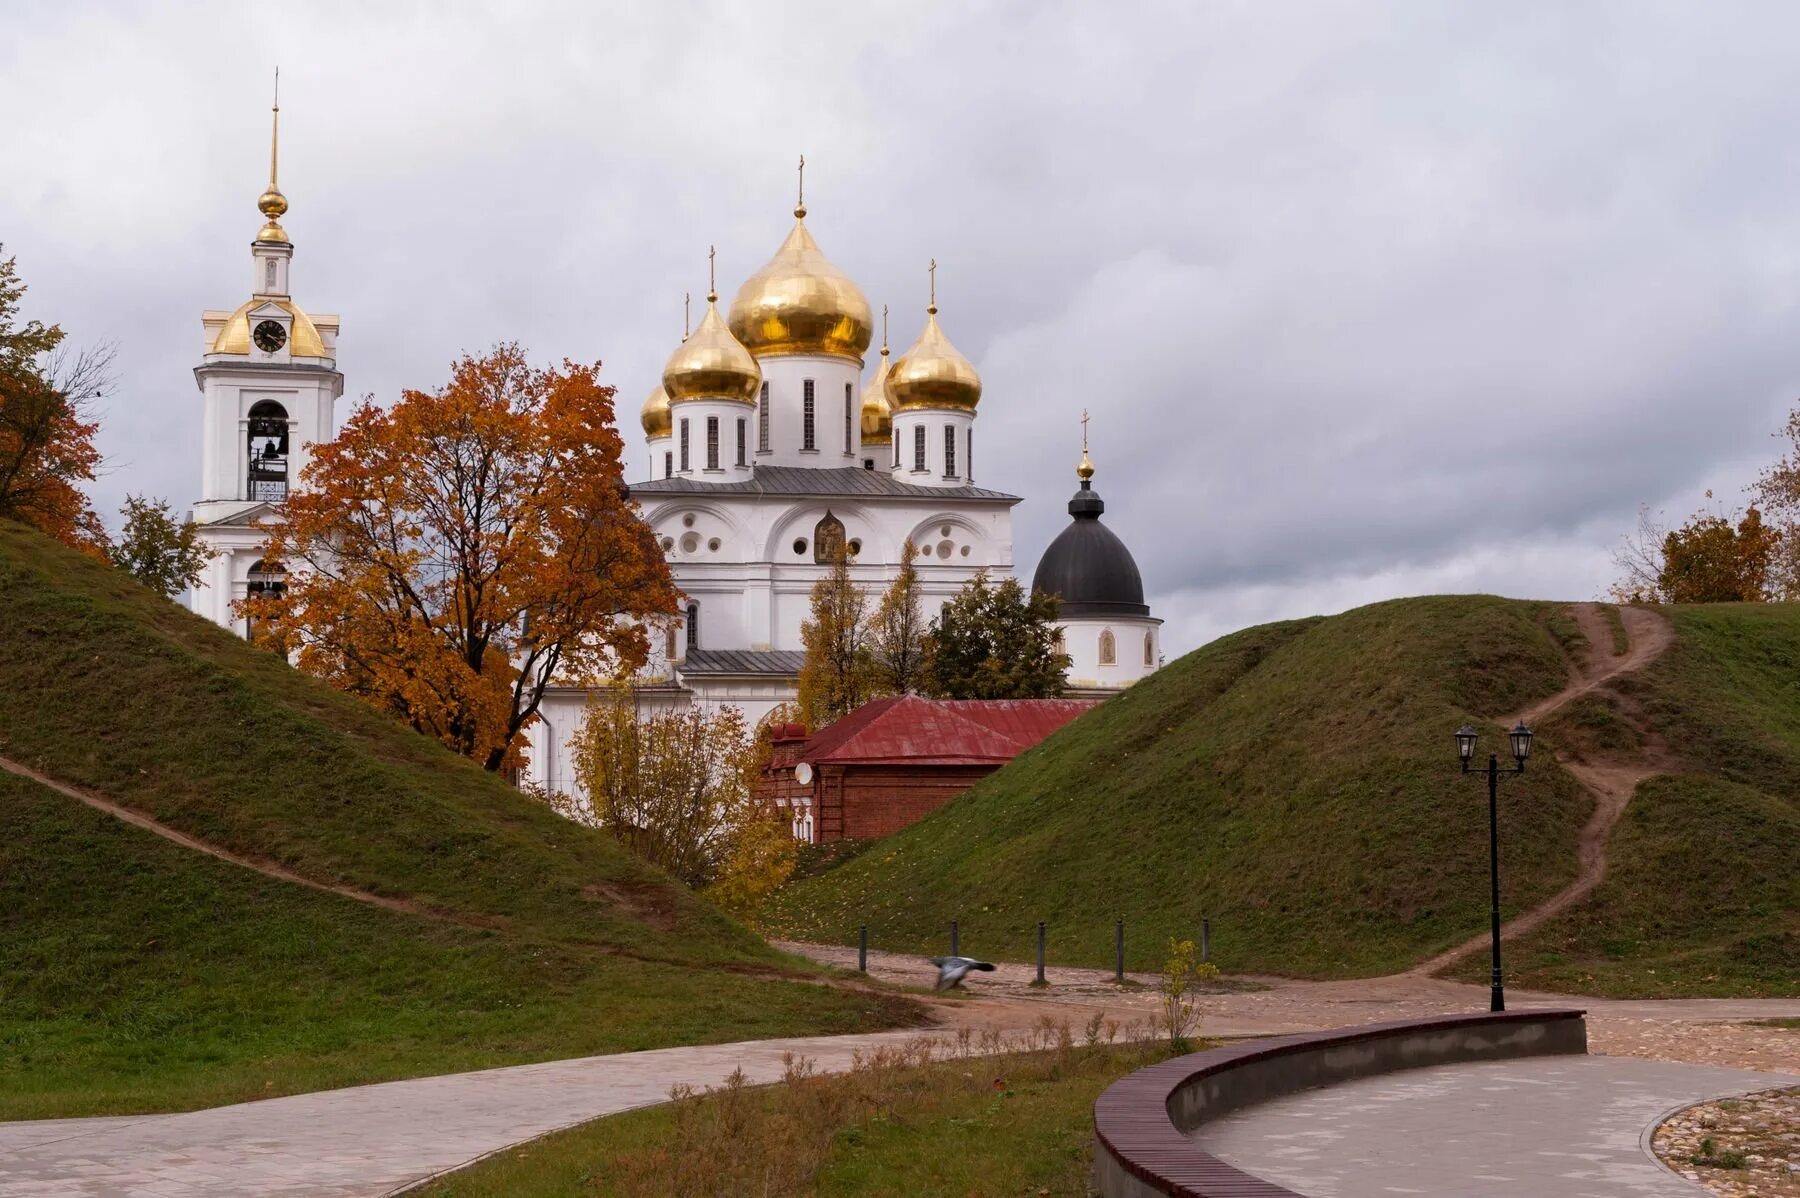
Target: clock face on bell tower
x=269 y=336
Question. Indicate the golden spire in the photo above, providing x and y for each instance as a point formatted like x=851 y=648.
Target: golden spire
x=931 y=308
x=933 y=374
x=884 y=345
x=271 y=203
x=1085 y=471
x=712 y=274
x=712 y=364
x=800 y=200
x=687 y=317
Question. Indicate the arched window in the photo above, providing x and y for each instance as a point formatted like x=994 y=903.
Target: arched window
x=762 y=420
x=1149 y=650
x=1109 y=649
x=693 y=627
x=267 y=443
x=265 y=579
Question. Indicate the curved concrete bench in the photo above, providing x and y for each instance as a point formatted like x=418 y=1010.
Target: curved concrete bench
x=1142 y=1122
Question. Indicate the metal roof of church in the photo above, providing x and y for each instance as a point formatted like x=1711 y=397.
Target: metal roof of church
x=760 y=663
x=913 y=731
x=825 y=483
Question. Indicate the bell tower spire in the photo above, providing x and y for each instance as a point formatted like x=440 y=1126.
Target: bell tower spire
x=271 y=203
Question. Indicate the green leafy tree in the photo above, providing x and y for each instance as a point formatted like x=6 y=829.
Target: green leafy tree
x=163 y=553
x=996 y=642
x=897 y=632
x=1707 y=560
x=837 y=676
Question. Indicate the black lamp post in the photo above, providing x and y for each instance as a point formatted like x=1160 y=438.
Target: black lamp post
x=1520 y=737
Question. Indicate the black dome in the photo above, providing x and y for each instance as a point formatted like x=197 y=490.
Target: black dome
x=1090 y=567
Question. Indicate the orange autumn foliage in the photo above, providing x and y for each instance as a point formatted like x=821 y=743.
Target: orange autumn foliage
x=450 y=555
x=46 y=446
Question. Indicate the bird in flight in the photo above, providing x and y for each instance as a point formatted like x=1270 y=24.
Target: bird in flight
x=952 y=970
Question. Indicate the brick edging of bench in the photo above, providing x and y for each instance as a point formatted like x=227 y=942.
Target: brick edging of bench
x=1142 y=1121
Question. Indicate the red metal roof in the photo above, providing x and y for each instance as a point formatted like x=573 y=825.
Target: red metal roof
x=908 y=729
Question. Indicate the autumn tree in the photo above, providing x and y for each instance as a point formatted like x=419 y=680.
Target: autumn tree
x=678 y=787
x=449 y=556
x=163 y=553
x=897 y=632
x=46 y=430
x=1707 y=560
x=996 y=642
x=836 y=676
x=1777 y=493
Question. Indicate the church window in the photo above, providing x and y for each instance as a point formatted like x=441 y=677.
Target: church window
x=970 y=464
x=265 y=579
x=896 y=441
x=918 y=449
x=1109 y=649
x=806 y=417
x=690 y=542
x=267 y=479
x=713 y=544
x=828 y=539
x=693 y=626
x=799 y=546
x=855 y=546
x=269 y=275
x=684 y=445
x=1149 y=650
x=668 y=463
x=849 y=444
x=742 y=460
x=762 y=421
x=949 y=451
x=712 y=442
x=868 y=463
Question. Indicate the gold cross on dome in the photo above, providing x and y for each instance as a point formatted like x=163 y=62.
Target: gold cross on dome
x=800 y=198
x=712 y=274
x=687 y=319
x=1084 y=420
x=932 y=270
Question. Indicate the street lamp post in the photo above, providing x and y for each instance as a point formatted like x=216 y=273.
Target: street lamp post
x=1520 y=737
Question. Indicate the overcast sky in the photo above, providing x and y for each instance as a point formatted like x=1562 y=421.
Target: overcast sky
x=1365 y=299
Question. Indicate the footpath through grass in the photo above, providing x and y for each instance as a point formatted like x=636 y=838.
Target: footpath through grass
x=905 y=1123
x=1702 y=893
x=1295 y=783
x=137 y=975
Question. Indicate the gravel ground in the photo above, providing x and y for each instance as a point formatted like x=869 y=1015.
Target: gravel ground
x=1754 y=1149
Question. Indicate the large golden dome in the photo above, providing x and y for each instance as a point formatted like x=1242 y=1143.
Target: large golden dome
x=658 y=422
x=933 y=373
x=304 y=339
x=801 y=304
x=712 y=364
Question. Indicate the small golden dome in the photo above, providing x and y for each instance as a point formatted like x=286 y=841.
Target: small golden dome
x=1085 y=470
x=712 y=364
x=801 y=304
x=877 y=408
x=657 y=420
x=933 y=373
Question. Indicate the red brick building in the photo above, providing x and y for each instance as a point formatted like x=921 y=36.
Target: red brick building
x=893 y=761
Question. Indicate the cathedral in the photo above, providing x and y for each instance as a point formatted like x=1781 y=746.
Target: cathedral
x=765 y=451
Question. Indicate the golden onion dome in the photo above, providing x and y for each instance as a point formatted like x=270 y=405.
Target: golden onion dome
x=712 y=364
x=933 y=373
x=657 y=420
x=303 y=336
x=802 y=304
x=877 y=408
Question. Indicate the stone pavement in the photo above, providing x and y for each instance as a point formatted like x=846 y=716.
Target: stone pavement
x=371 y=1140
x=1570 y=1126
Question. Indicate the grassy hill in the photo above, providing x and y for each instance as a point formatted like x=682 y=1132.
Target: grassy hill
x=1296 y=783
x=138 y=975
x=1702 y=894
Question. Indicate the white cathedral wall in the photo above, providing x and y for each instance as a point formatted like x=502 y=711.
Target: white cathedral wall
x=1082 y=642
x=939 y=470
x=692 y=414
x=786 y=375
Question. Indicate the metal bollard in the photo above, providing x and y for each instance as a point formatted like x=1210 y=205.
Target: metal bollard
x=955 y=940
x=1040 y=963
x=1119 y=951
x=862 y=949
x=1205 y=940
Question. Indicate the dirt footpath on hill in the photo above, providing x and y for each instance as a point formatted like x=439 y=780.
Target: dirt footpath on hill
x=1702 y=1031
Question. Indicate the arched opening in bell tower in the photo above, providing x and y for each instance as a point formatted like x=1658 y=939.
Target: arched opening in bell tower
x=267 y=479
x=265 y=578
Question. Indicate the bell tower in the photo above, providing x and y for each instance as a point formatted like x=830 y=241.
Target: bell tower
x=268 y=380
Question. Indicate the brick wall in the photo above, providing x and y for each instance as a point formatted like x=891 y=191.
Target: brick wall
x=861 y=802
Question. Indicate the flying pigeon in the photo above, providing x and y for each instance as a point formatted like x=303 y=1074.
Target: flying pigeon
x=952 y=970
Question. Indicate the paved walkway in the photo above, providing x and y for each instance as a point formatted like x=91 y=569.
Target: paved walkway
x=370 y=1140
x=1575 y=1127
